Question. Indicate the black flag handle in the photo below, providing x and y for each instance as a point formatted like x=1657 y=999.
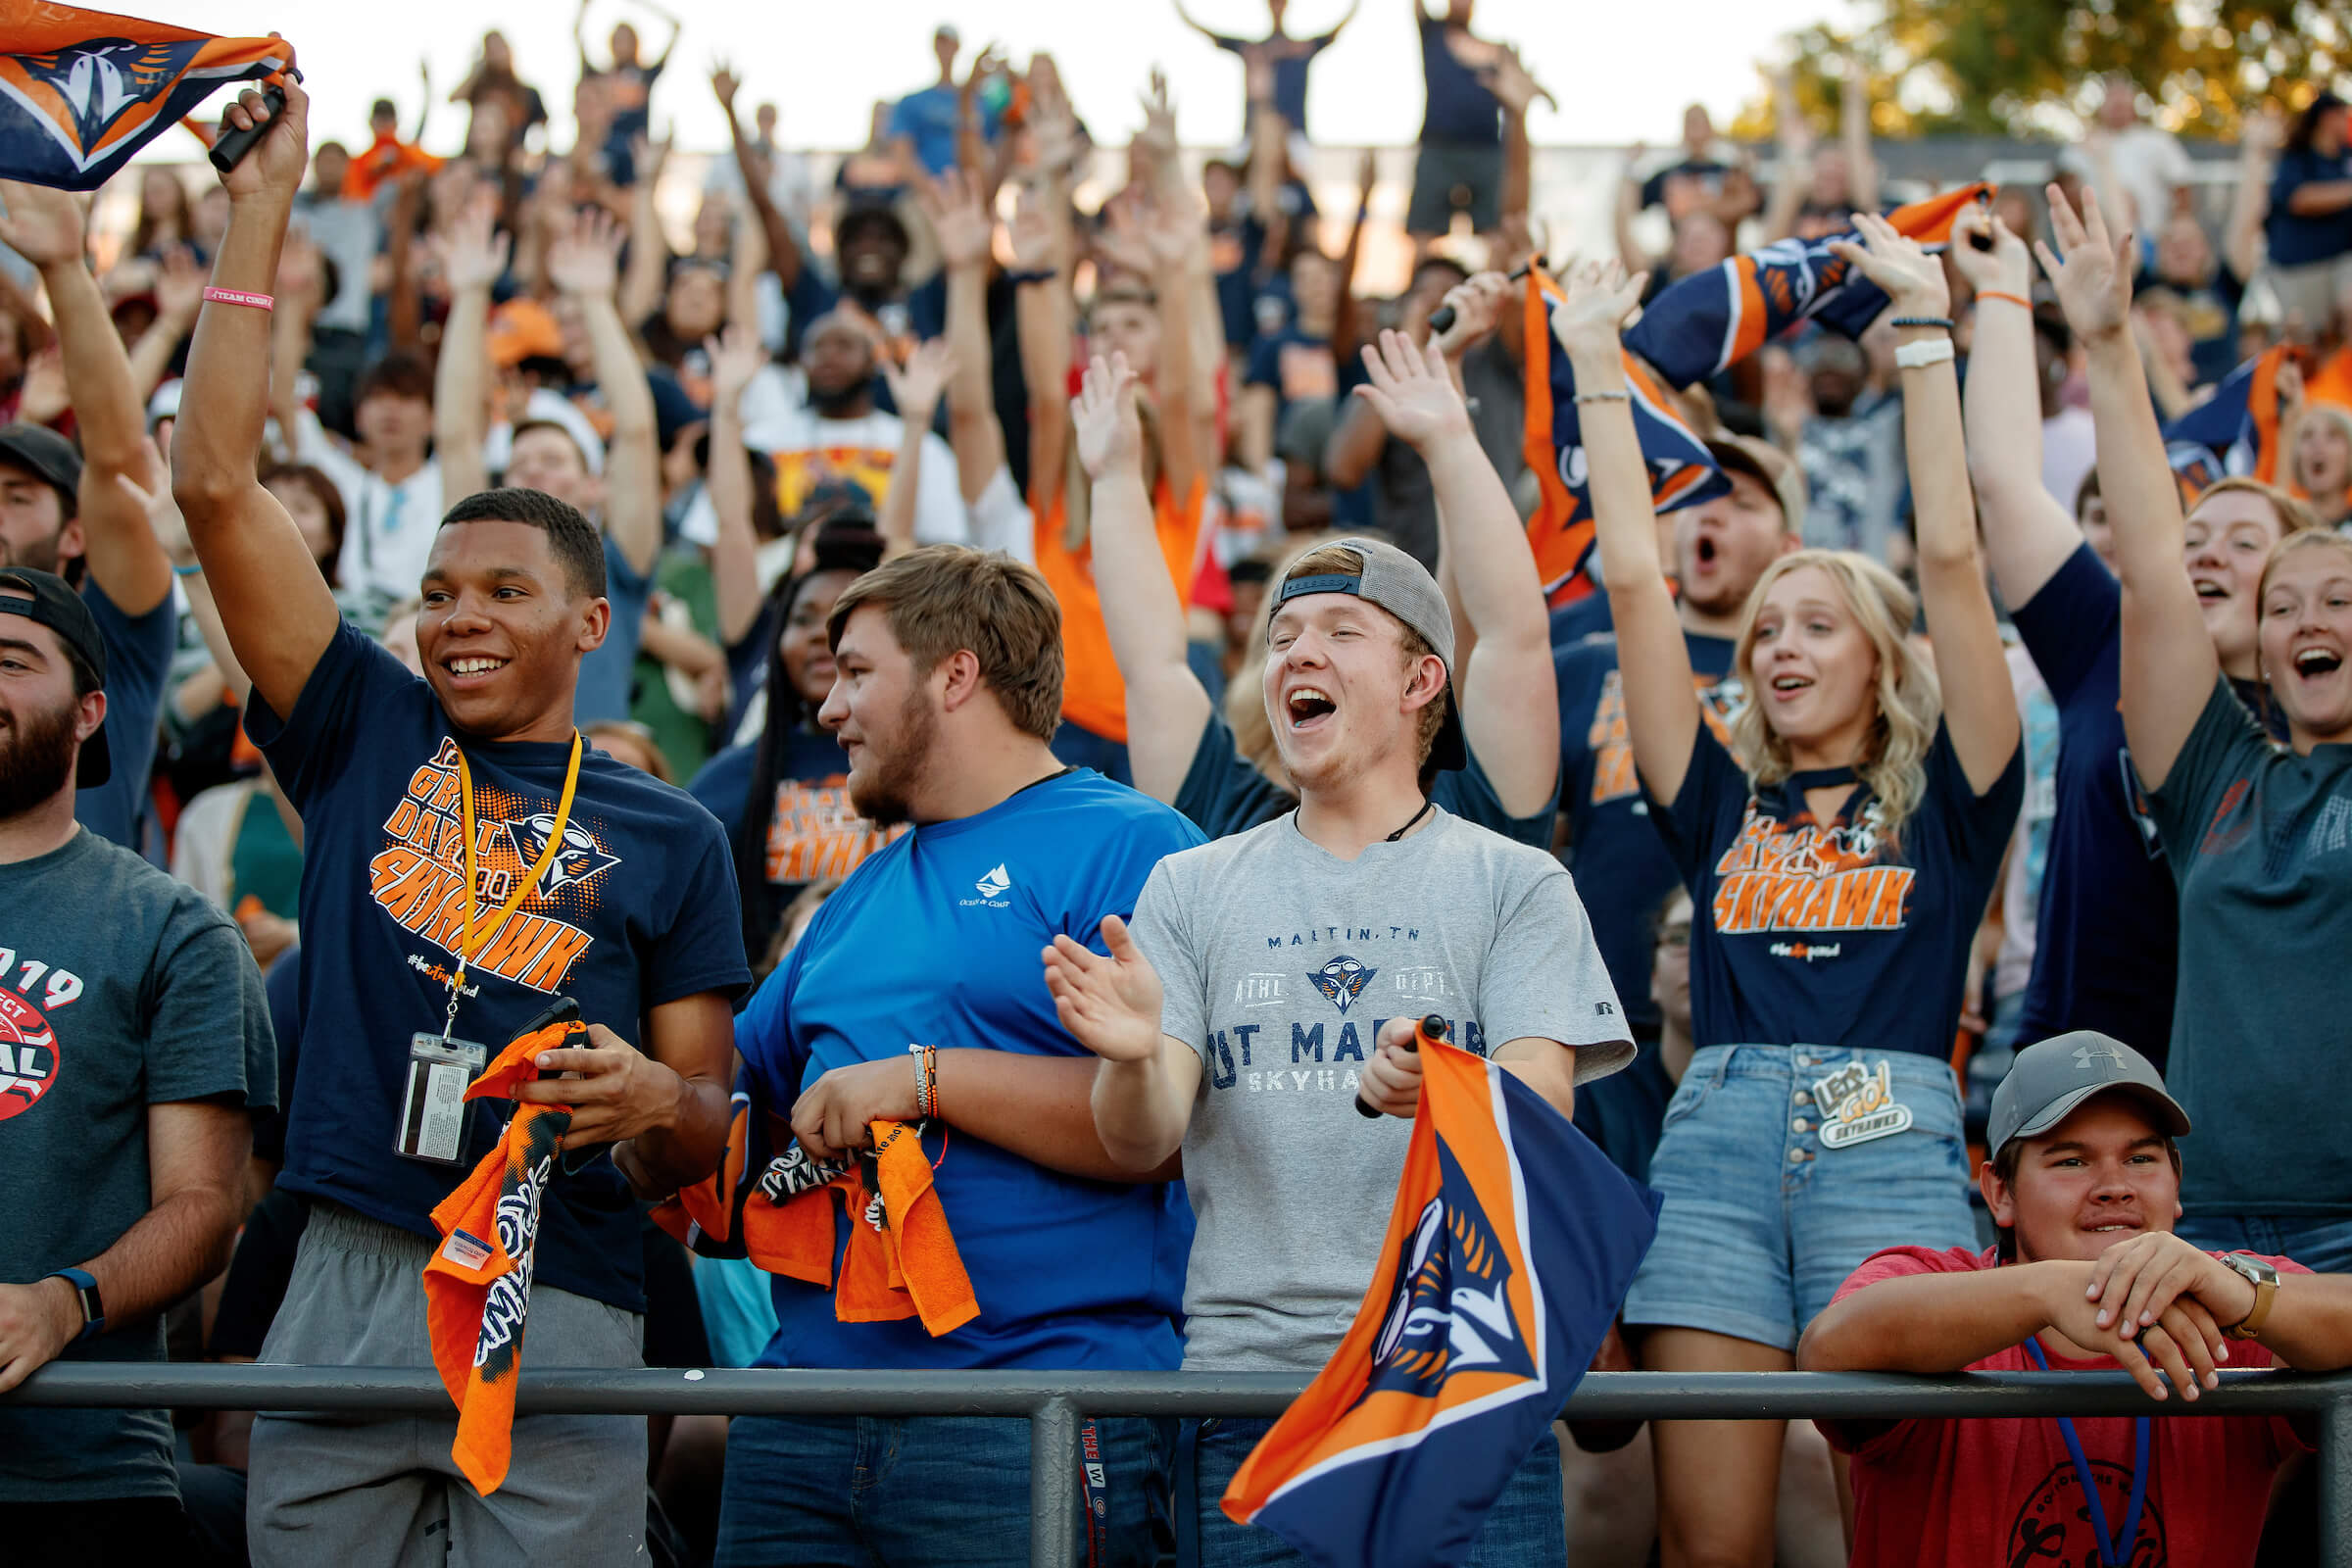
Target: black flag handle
x=1428 y=1031
x=1441 y=320
x=231 y=145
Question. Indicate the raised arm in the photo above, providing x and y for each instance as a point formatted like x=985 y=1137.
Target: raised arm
x=1510 y=711
x=45 y=227
x=1979 y=704
x=582 y=263
x=1796 y=138
x=735 y=358
x=2027 y=534
x=1629 y=250
x=960 y=221
x=2168 y=665
x=648 y=250
x=1661 y=704
x=914 y=392
x=2259 y=136
x=784 y=257
x=1042 y=319
x=301 y=296
x=1167 y=707
x=472 y=258
x=178 y=295
x=274 y=604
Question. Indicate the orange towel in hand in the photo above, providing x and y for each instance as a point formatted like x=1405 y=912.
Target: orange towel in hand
x=477 y=1284
x=900 y=1261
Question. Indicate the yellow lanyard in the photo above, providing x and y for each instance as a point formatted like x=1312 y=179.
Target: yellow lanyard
x=468 y=948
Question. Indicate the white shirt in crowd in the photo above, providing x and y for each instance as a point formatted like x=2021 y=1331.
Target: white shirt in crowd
x=388 y=528
x=2148 y=164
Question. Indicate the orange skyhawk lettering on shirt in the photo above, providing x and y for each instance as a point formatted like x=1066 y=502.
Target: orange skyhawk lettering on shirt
x=1804 y=877
x=815 y=832
x=1613 y=776
x=419 y=879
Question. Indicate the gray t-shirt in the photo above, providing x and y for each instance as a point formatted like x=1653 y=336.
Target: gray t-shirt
x=1279 y=961
x=119 y=989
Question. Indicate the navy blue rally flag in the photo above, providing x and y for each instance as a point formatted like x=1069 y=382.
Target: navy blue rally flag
x=80 y=91
x=1510 y=1248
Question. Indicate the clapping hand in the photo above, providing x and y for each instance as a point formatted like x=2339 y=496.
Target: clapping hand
x=1111 y=1006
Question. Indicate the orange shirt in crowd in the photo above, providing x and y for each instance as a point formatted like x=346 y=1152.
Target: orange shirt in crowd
x=1092 y=697
x=386 y=158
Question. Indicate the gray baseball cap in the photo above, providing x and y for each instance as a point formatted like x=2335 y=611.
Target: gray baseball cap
x=2047 y=1081
x=1404 y=587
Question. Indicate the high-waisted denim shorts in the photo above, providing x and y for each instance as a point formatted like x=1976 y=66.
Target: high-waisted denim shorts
x=1763 y=1220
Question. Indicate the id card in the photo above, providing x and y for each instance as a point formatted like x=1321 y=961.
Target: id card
x=1859 y=1106
x=432 y=1113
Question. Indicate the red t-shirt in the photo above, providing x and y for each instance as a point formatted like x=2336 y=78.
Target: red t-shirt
x=1989 y=1493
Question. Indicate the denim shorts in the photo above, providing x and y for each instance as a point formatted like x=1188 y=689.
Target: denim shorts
x=1762 y=1220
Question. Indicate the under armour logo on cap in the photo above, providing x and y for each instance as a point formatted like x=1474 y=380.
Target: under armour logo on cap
x=2085 y=1055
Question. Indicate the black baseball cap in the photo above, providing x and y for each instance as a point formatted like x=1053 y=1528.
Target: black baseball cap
x=2048 y=1080
x=47 y=597
x=39 y=450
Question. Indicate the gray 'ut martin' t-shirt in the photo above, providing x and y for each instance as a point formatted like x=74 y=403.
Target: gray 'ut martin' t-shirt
x=1279 y=961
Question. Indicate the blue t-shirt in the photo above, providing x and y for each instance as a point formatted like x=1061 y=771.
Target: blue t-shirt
x=1224 y=794
x=935 y=940
x=1622 y=869
x=1461 y=109
x=1290 y=71
x=1840 y=934
x=2107 y=933
x=929 y=118
x=811 y=830
x=608 y=671
x=1580 y=619
x=1298 y=367
x=2297 y=242
x=638 y=910
x=2211 y=310
x=139 y=658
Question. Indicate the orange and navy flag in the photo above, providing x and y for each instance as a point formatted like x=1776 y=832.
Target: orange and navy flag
x=1508 y=1252
x=1682 y=473
x=82 y=90
x=477 y=1284
x=2234 y=432
x=1710 y=322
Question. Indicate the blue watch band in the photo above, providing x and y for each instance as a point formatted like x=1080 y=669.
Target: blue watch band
x=85 y=1291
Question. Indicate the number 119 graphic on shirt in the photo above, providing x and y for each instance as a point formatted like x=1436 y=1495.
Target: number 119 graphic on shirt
x=29 y=1056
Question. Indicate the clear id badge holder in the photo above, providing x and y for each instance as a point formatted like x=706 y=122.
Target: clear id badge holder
x=432 y=1111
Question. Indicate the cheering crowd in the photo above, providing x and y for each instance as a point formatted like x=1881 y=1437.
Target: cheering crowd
x=1014 y=706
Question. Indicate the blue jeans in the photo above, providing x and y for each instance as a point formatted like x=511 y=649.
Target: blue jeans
x=2321 y=1242
x=866 y=1491
x=1763 y=1220
x=1525 y=1528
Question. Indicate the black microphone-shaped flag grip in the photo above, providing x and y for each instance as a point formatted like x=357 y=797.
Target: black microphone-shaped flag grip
x=1429 y=1031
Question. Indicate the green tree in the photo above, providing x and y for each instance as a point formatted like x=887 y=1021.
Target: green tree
x=2029 y=68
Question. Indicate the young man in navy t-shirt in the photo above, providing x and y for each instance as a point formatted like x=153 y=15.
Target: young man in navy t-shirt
x=949 y=687
x=468 y=861
x=68 y=511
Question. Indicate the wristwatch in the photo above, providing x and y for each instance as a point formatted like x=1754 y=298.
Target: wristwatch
x=85 y=1291
x=2265 y=1280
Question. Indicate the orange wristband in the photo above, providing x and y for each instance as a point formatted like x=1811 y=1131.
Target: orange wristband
x=1998 y=294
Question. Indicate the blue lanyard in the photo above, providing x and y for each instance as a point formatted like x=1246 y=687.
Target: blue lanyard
x=2111 y=1552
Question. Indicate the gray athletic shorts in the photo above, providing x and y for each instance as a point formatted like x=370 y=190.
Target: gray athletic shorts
x=345 y=1490
x=1451 y=177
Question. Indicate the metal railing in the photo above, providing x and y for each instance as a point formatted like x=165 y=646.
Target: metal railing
x=1055 y=1406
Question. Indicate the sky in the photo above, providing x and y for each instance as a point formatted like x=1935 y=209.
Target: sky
x=1622 y=71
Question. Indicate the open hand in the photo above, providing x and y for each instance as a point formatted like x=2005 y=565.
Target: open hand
x=179 y=287
x=917 y=387
x=1912 y=278
x=41 y=225
x=736 y=356
x=1597 y=300
x=957 y=220
x=1103 y=416
x=1158 y=135
x=2093 y=280
x=724 y=85
x=471 y=252
x=1109 y=1004
x=1411 y=391
x=586 y=259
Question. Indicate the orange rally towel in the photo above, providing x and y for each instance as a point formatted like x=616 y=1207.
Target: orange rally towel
x=477 y=1284
x=900 y=1261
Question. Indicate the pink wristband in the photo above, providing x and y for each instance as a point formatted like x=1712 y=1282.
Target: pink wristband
x=239 y=296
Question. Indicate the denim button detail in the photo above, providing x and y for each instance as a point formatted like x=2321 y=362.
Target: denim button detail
x=1800 y=1125
x=1803 y=1097
x=1797 y=1157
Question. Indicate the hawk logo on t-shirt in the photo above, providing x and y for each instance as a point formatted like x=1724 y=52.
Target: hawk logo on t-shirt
x=576 y=862
x=418 y=876
x=1453 y=1311
x=1342 y=980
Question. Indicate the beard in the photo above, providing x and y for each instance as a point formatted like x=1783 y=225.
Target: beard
x=40 y=554
x=841 y=403
x=883 y=791
x=38 y=756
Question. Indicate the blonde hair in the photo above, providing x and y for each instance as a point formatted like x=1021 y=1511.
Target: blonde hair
x=1339 y=560
x=2301 y=539
x=2339 y=417
x=1909 y=704
x=1245 y=695
x=2293 y=515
